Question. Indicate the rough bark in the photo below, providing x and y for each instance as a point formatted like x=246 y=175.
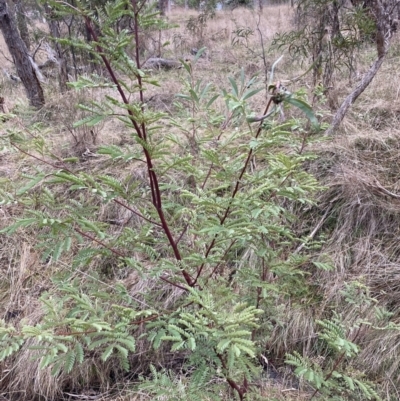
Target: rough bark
x=352 y=97
x=21 y=23
x=384 y=31
x=23 y=62
x=60 y=60
x=163 y=6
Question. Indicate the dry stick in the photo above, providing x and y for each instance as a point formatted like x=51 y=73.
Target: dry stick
x=352 y=97
x=235 y=191
x=383 y=34
x=141 y=132
x=317 y=227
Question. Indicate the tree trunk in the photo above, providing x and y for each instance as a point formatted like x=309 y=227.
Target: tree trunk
x=21 y=23
x=384 y=30
x=163 y=6
x=22 y=60
x=93 y=66
x=62 y=65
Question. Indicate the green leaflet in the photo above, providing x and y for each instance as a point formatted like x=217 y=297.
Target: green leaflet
x=305 y=108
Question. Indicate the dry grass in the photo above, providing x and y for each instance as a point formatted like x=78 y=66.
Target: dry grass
x=359 y=168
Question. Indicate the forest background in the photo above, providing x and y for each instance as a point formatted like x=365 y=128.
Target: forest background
x=199 y=203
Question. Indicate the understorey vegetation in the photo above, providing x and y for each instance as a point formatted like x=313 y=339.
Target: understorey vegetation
x=207 y=255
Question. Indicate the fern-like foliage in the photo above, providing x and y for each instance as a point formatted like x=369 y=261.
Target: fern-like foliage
x=163 y=385
x=332 y=379
x=201 y=213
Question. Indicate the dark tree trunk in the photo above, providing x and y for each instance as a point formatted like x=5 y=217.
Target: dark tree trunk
x=94 y=67
x=163 y=6
x=19 y=52
x=62 y=65
x=21 y=23
x=69 y=26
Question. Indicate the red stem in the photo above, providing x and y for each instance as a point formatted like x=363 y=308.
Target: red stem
x=235 y=191
x=141 y=132
x=120 y=254
x=241 y=391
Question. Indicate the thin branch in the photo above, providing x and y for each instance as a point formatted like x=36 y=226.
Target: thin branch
x=2 y=53
x=114 y=251
x=136 y=213
x=154 y=185
x=235 y=191
x=352 y=97
x=41 y=160
x=202 y=187
x=241 y=391
x=112 y=74
x=71 y=172
x=317 y=227
x=223 y=257
x=262 y=45
x=182 y=233
x=37 y=49
x=174 y=284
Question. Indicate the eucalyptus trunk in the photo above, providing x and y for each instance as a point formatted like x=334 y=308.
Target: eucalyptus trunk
x=21 y=23
x=23 y=61
x=62 y=65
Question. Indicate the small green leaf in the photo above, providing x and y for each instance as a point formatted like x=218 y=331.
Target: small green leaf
x=212 y=100
x=30 y=184
x=234 y=87
x=199 y=53
x=305 y=108
x=107 y=352
x=251 y=93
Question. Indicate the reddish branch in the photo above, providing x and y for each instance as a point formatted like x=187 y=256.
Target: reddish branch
x=241 y=390
x=235 y=191
x=104 y=245
x=141 y=132
x=136 y=213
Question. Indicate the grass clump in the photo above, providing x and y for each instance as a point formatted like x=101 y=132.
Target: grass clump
x=210 y=246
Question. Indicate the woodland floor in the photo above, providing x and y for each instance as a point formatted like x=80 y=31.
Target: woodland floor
x=359 y=168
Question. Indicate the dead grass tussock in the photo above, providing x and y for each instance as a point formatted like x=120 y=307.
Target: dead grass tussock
x=91 y=378
x=274 y=19
x=295 y=328
x=360 y=170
